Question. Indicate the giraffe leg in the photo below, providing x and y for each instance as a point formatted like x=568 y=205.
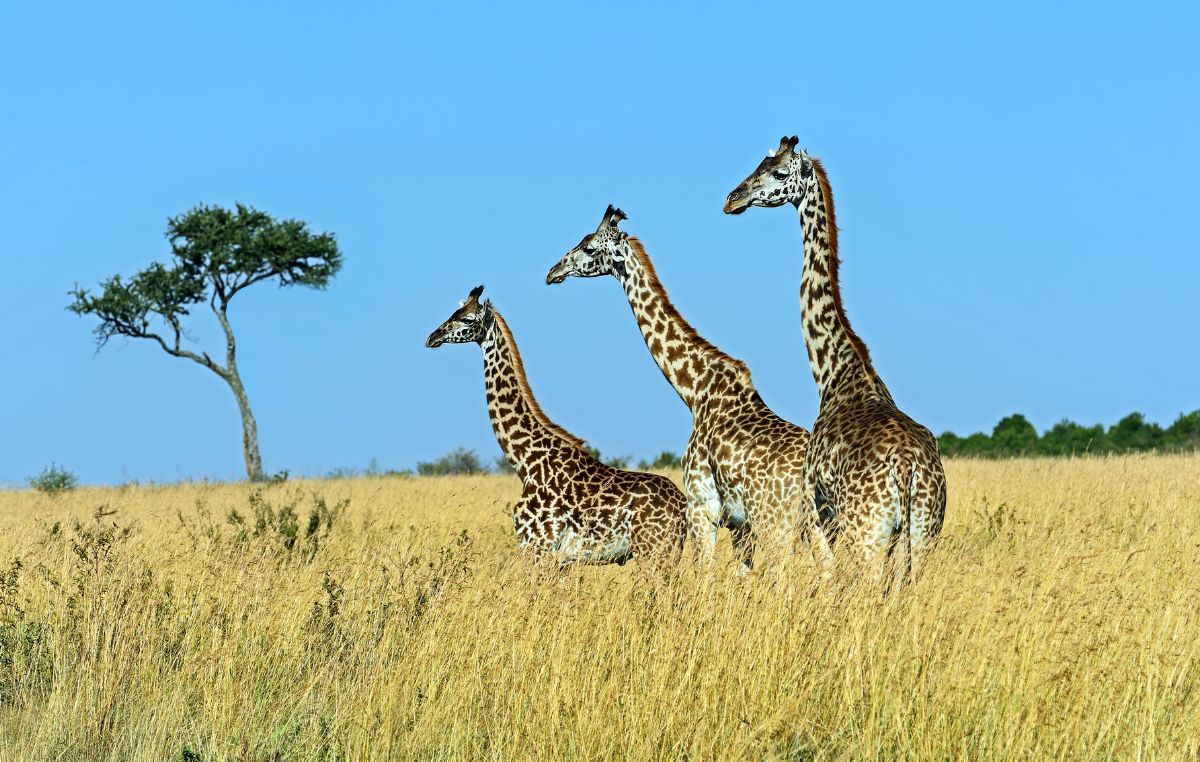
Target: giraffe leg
x=928 y=511
x=900 y=557
x=876 y=538
x=887 y=544
x=703 y=506
x=817 y=540
x=876 y=557
x=743 y=547
x=921 y=539
x=817 y=532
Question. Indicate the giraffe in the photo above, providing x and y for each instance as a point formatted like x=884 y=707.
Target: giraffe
x=744 y=465
x=872 y=474
x=573 y=508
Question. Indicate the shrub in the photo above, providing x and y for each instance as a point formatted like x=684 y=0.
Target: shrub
x=281 y=527
x=372 y=471
x=458 y=461
x=501 y=465
x=665 y=459
x=618 y=461
x=54 y=480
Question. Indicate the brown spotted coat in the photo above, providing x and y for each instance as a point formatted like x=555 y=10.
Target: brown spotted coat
x=573 y=508
x=744 y=465
x=873 y=474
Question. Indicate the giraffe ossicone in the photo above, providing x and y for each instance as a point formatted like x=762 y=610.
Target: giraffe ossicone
x=573 y=508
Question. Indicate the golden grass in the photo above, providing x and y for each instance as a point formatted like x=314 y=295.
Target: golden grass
x=1056 y=618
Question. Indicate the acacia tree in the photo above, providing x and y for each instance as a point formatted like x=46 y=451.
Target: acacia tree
x=216 y=253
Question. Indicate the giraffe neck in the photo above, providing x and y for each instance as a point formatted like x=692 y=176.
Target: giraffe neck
x=839 y=359
x=526 y=435
x=690 y=364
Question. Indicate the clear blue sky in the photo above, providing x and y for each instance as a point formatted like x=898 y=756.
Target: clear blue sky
x=1017 y=194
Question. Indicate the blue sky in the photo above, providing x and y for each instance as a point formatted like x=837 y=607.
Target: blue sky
x=1016 y=190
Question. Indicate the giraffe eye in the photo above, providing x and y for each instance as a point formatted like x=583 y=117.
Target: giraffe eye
x=781 y=175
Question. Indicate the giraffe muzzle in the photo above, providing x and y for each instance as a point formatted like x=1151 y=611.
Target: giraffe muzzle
x=736 y=202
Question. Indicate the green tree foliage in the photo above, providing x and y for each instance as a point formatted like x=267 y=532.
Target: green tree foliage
x=1184 y=434
x=948 y=442
x=215 y=254
x=665 y=460
x=1015 y=435
x=616 y=461
x=1069 y=438
x=501 y=465
x=1133 y=434
x=54 y=480
x=977 y=445
x=459 y=461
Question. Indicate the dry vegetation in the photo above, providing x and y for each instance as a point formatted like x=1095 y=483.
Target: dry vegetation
x=1057 y=618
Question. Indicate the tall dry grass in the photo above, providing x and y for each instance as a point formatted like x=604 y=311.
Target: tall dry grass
x=1056 y=618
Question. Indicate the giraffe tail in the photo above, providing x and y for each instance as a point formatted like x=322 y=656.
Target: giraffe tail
x=904 y=475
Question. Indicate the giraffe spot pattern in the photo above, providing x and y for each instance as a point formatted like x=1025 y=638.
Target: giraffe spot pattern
x=743 y=465
x=873 y=476
x=573 y=508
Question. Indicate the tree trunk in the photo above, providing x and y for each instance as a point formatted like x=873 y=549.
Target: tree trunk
x=254 y=468
x=249 y=428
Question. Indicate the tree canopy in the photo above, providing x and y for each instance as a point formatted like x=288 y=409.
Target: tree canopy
x=217 y=252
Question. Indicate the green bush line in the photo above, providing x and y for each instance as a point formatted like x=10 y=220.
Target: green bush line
x=1015 y=436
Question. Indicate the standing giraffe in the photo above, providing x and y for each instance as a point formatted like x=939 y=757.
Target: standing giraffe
x=573 y=508
x=744 y=466
x=872 y=471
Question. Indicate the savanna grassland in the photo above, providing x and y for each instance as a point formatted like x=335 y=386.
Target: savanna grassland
x=392 y=619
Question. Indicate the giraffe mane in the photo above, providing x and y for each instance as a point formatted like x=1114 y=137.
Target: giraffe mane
x=835 y=262
x=523 y=385
x=669 y=307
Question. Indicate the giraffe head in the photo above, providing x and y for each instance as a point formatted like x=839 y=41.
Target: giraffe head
x=468 y=323
x=785 y=176
x=599 y=253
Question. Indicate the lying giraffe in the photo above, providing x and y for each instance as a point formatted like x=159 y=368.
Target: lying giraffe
x=872 y=473
x=744 y=465
x=573 y=508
